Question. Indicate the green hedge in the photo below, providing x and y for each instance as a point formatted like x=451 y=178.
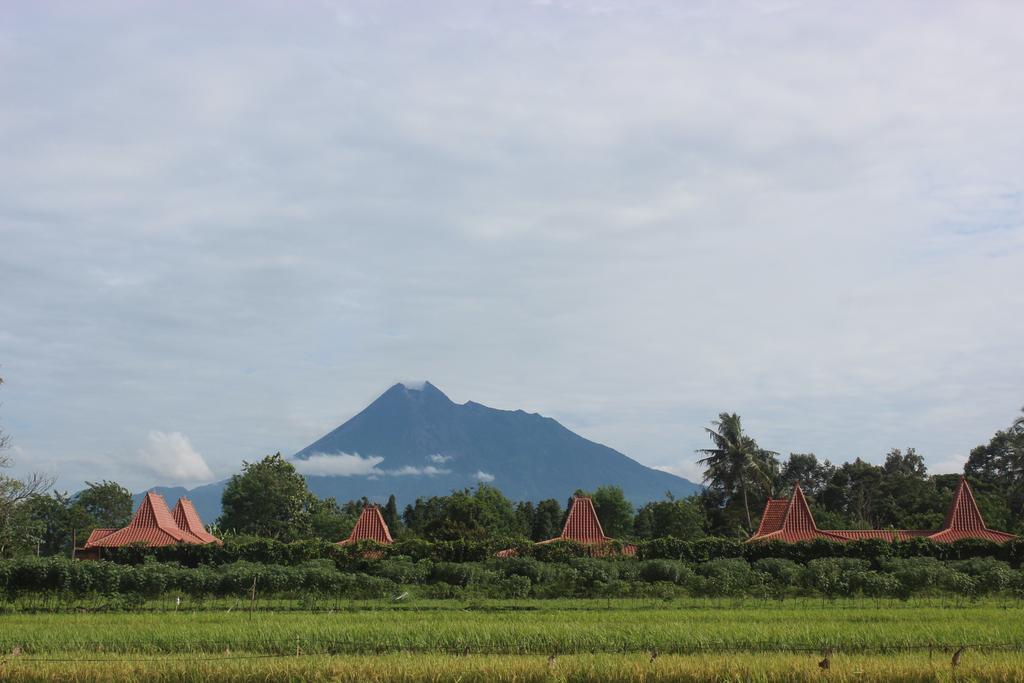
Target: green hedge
x=703 y=550
x=519 y=577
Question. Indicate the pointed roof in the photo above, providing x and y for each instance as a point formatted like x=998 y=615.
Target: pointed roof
x=152 y=525
x=791 y=520
x=964 y=519
x=369 y=527
x=582 y=524
x=187 y=519
x=774 y=514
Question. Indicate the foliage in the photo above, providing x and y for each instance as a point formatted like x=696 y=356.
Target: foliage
x=998 y=470
x=106 y=504
x=736 y=468
x=683 y=519
x=448 y=573
x=898 y=494
x=391 y=516
x=330 y=521
x=18 y=529
x=269 y=498
x=467 y=514
x=547 y=520
x=613 y=510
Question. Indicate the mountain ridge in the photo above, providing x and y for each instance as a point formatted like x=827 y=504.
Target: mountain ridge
x=415 y=441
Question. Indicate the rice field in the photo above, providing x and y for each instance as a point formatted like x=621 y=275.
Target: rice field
x=766 y=668
x=523 y=641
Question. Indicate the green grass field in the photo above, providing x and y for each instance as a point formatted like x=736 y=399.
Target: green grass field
x=590 y=640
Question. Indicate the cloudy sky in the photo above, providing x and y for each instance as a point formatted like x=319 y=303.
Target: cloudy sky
x=227 y=227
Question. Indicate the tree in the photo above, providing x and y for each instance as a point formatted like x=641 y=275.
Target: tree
x=16 y=529
x=467 y=514
x=49 y=516
x=909 y=464
x=107 y=505
x=683 y=519
x=614 y=511
x=736 y=466
x=329 y=521
x=525 y=514
x=808 y=471
x=548 y=519
x=907 y=497
x=851 y=493
x=997 y=469
x=269 y=498
x=391 y=517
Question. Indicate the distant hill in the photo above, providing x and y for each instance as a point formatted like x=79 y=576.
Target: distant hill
x=414 y=441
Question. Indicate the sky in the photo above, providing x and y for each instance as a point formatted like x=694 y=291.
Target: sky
x=225 y=228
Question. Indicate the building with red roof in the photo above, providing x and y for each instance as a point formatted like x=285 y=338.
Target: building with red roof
x=187 y=519
x=369 y=527
x=790 y=520
x=582 y=526
x=153 y=525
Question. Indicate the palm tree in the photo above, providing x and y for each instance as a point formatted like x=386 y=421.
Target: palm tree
x=736 y=463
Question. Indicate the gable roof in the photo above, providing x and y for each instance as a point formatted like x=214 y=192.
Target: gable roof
x=369 y=527
x=152 y=525
x=774 y=514
x=97 y=534
x=964 y=520
x=790 y=520
x=187 y=519
x=581 y=524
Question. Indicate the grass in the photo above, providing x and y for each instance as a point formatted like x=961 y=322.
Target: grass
x=524 y=669
x=511 y=641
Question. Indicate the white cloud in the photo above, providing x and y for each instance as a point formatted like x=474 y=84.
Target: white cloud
x=439 y=459
x=483 y=477
x=409 y=470
x=355 y=465
x=170 y=455
x=338 y=465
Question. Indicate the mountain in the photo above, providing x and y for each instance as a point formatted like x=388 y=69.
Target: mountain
x=415 y=441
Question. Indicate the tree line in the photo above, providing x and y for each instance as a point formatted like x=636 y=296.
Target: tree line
x=740 y=477
x=270 y=499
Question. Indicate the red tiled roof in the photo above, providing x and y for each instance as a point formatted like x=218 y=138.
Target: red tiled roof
x=187 y=519
x=791 y=520
x=581 y=526
x=97 y=534
x=884 y=534
x=964 y=520
x=791 y=523
x=774 y=513
x=152 y=525
x=369 y=527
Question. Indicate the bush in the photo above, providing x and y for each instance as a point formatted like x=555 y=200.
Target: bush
x=312 y=570
x=653 y=571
